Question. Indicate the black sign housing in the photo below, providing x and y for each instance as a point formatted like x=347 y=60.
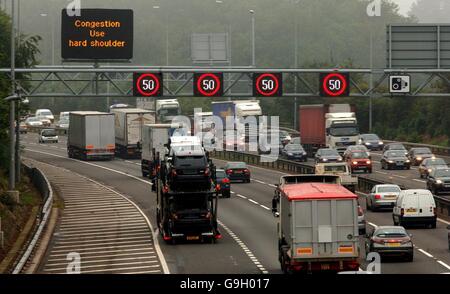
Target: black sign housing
x=98 y=34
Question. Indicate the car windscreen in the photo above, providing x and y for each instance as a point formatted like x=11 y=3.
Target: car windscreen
x=391 y=233
x=336 y=169
x=370 y=137
x=220 y=174
x=423 y=151
x=445 y=173
x=388 y=189
x=294 y=148
x=395 y=154
x=46 y=113
x=360 y=155
x=237 y=165
x=188 y=161
x=49 y=133
x=397 y=147
x=329 y=152
x=437 y=161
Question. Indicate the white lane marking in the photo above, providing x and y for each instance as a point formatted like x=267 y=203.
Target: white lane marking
x=103 y=260
x=245 y=248
x=87 y=258
x=116 y=269
x=397 y=176
x=253 y=201
x=420 y=181
x=443 y=221
x=272 y=185
x=241 y=196
x=426 y=253
x=265 y=207
x=373 y=225
x=260 y=182
x=155 y=239
x=443 y=264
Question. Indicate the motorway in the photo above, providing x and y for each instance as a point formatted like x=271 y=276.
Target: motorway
x=249 y=244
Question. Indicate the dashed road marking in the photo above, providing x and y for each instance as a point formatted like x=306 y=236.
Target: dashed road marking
x=426 y=253
x=241 y=196
x=244 y=247
x=443 y=264
x=420 y=181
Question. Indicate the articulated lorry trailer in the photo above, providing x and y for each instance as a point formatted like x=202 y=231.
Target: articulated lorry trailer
x=129 y=124
x=317 y=224
x=91 y=135
x=332 y=126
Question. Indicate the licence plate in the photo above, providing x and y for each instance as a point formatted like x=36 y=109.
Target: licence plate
x=390 y=197
x=238 y=172
x=325 y=267
x=393 y=244
x=192 y=238
x=411 y=210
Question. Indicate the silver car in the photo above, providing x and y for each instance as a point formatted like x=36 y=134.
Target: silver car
x=382 y=196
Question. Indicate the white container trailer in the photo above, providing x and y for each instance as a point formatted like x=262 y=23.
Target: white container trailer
x=129 y=124
x=91 y=135
x=318 y=225
x=155 y=140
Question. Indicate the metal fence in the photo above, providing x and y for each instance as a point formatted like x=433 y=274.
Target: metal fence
x=42 y=184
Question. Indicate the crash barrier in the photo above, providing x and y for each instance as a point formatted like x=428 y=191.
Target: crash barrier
x=37 y=130
x=42 y=184
x=365 y=184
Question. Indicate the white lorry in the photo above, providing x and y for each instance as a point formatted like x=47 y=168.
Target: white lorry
x=129 y=124
x=338 y=169
x=341 y=127
x=91 y=135
x=318 y=224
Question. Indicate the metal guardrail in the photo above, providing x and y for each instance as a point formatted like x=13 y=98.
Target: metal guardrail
x=37 y=130
x=41 y=182
x=364 y=184
x=437 y=150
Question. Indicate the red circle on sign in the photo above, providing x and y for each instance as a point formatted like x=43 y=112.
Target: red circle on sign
x=153 y=77
x=204 y=76
x=275 y=89
x=329 y=77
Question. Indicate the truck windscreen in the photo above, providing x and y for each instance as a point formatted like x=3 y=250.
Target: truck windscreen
x=169 y=112
x=344 y=131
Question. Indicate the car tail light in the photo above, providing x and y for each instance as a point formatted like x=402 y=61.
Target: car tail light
x=218 y=236
x=167 y=238
x=166 y=189
x=207 y=172
x=246 y=171
x=208 y=215
x=229 y=171
x=405 y=240
x=402 y=212
x=352 y=265
x=174 y=173
x=377 y=240
x=226 y=181
x=378 y=197
x=360 y=211
x=218 y=187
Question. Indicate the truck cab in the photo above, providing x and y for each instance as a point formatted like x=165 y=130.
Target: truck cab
x=341 y=130
x=167 y=110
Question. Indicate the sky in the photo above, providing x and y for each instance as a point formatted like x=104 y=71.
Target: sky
x=405 y=5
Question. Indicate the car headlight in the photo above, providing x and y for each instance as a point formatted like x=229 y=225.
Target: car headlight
x=355 y=162
x=391 y=161
x=419 y=158
x=408 y=161
x=438 y=182
x=381 y=143
x=290 y=154
x=368 y=162
x=340 y=159
x=368 y=143
x=429 y=170
x=324 y=159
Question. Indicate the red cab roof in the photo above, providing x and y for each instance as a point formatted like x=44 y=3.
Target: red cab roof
x=317 y=191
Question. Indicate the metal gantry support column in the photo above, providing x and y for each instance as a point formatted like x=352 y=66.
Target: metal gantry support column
x=12 y=110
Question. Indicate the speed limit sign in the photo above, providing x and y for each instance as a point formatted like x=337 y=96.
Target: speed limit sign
x=334 y=84
x=268 y=85
x=208 y=84
x=147 y=84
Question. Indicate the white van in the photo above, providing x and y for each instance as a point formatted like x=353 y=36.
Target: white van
x=45 y=114
x=415 y=206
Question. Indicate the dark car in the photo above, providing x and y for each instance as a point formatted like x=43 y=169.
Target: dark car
x=417 y=155
x=223 y=183
x=395 y=159
x=189 y=168
x=238 y=171
x=328 y=155
x=295 y=152
x=371 y=141
x=448 y=228
x=439 y=180
x=395 y=147
x=392 y=241
x=359 y=161
x=429 y=164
